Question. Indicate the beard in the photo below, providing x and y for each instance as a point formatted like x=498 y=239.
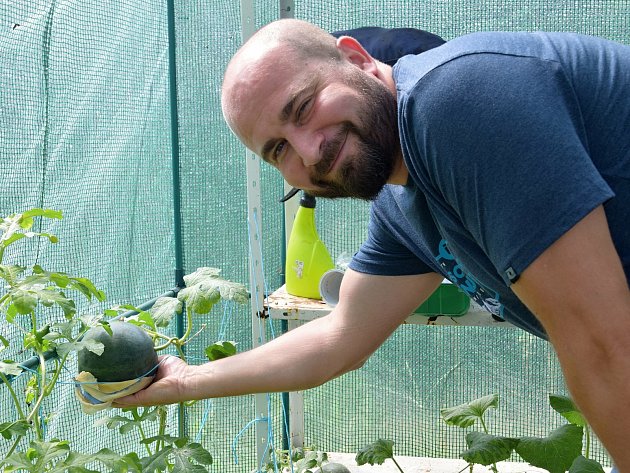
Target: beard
x=363 y=174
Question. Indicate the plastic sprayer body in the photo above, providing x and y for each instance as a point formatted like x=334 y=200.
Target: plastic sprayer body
x=307 y=256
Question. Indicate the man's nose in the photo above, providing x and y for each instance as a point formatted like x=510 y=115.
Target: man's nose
x=308 y=147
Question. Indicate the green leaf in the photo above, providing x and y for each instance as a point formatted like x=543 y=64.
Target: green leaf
x=4 y=341
x=184 y=455
x=11 y=272
x=556 y=452
x=92 y=345
x=16 y=428
x=129 y=463
x=87 y=288
x=38 y=455
x=10 y=367
x=125 y=424
x=24 y=301
x=564 y=406
x=486 y=449
x=164 y=309
x=584 y=465
x=158 y=461
x=202 y=287
x=375 y=453
x=48 y=213
x=220 y=349
x=31 y=389
x=202 y=274
x=75 y=462
x=12 y=226
x=201 y=297
x=467 y=414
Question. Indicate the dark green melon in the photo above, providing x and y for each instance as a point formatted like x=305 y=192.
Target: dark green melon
x=334 y=468
x=128 y=353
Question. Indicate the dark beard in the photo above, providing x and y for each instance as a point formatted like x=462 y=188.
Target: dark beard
x=364 y=174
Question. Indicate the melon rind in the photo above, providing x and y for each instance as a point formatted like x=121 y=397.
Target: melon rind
x=128 y=354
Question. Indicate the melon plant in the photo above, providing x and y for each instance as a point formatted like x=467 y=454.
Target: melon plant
x=127 y=353
x=37 y=303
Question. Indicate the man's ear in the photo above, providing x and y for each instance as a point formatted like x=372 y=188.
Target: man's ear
x=354 y=53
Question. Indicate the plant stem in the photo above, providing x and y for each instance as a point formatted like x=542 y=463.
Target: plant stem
x=397 y=465
x=134 y=413
x=189 y=324
x=485 y=429
x=42 y=369
x=58 y=365
x=16 y=401
x=14 y=446
x=171 y=341
x=587 y=434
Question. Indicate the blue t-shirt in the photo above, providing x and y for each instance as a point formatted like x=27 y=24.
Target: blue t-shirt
x=510 y=139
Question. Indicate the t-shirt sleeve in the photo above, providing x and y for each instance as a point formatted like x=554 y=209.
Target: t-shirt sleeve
x=383 y=252
x=497 y=142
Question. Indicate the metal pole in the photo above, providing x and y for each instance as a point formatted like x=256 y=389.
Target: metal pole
x=175 y=164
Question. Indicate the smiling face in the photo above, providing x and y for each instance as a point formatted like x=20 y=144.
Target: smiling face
x=327 y=123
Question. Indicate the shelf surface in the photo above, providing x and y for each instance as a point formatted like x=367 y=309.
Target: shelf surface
x=284 y=306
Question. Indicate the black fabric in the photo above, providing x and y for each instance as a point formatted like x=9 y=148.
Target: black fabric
x=390 y=44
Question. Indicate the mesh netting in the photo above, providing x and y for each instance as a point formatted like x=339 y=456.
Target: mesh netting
x=85 y=127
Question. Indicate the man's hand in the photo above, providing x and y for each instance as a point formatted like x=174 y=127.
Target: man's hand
x=168 y=387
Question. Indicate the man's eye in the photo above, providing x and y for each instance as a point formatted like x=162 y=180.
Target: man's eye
x=277 y=150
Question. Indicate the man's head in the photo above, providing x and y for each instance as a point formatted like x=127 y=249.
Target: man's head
x=320 y=109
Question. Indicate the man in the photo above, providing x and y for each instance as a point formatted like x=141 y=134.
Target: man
x=498 y=160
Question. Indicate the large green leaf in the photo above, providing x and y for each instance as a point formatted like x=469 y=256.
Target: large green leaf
x=375 y=453
x=186 y=454
x=486 y=449
x=465 y=415
x=204 y=288
x=564 y=406
x=556 y=452
x=201 y=297
x=585 y=465
x=164 y=309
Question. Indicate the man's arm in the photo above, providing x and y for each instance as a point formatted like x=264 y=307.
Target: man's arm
x=370 y=308
x=579 y=292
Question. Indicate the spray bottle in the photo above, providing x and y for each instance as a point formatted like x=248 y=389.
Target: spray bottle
x=307 y=256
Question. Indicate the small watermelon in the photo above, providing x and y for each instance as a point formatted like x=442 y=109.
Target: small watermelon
x=334 y=468
x=128 y=353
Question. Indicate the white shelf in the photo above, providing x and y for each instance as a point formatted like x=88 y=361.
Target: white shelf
x=283 y=306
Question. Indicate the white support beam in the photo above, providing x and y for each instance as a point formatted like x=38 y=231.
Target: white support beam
x=254 y=222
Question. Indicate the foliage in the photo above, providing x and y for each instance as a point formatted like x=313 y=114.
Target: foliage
x=558 y=452
x=34 y=295
x=299 y=460
x=376 y=453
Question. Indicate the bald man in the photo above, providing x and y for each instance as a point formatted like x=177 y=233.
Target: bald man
x=498 y=160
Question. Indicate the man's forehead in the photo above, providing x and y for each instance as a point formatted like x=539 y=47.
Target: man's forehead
x=272 y=85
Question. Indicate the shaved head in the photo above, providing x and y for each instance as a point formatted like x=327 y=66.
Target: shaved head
x=298 y=40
